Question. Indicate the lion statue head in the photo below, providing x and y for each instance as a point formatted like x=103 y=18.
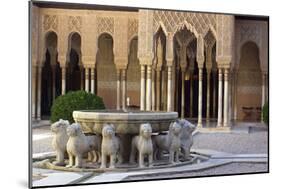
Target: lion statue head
x=74 y=130
x=59 y=126
x=175 y=128
x=145 y=130
x=108 y=131
x=187 y=127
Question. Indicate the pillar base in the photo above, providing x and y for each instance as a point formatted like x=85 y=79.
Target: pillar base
x=199 y=124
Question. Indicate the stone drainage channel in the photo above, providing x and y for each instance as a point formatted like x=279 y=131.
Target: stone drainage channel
x=202 y=159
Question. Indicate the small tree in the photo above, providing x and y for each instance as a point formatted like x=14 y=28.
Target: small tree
x=265 y=113
x=64 y=105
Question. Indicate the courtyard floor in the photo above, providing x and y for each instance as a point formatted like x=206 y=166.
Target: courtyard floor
x=247 y=140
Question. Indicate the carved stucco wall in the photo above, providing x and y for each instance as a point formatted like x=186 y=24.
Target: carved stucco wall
x=254 y=31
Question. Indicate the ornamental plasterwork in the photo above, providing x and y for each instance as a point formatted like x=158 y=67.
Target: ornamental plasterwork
x=250 y=32
x=209 y=40
x=132 y=28
x=74 y=23
x=172 y=19
x=105 y=24
x=50 y=22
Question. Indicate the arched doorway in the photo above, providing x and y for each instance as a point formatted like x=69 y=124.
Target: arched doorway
x=74 y=66
x=50 y=87
x=106 y=71
x=249 y=84
x=133 y=75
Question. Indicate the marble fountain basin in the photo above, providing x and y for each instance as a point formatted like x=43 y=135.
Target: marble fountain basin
x=126 y=122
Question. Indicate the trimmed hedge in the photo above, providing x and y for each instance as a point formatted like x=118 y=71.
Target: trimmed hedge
x=265 y=113
x=64 y=105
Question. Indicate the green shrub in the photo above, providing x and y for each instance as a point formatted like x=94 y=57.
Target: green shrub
x=64 y=105
x=265 y=113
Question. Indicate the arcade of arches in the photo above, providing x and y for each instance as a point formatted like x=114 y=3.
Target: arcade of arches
x=207 y=67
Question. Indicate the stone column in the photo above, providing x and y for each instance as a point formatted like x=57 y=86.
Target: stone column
x=153 y=89
x=39 y=79
x=118 y=87
x=158 y=88
x=200 y=98
x=54 y=81
x=235 y=95
x=142 y=100
x=208 y=94
x=63 y=79
x=87 y=79
x=33 y=89
x=169 y=90
x=148 y=88
x=124 y=95
x=93 y=80
x=182 y=93
x=220 y=100
x=191 y=93
x=225 y=113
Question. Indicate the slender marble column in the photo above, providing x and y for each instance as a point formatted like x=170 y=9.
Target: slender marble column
x=124 y=95
x=39 y=92
x=118 y=90
x=208 y=94
x=54 y=81
x=182 y=93
x=142 y=100
x=87 y=79
x=148 y=88
x=220 y=100
x=153 y=89
x=93 y=80
x=33 y=88
x=158 y=78
x=82 y=82
x=169 y=90
x=225 y=113
x=235 y=95
x=200 y=98
x=63 y=78
x=191 y=94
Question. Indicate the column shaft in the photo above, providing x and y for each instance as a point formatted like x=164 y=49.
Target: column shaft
x=142 y=100
x=153 y=90
x=158 y=78
x=225 y=113
x=124 y=89
x=118 y=90
x=63 y=78
x=220 y=99
x=148 y=88
x=93 y=80
x=39 y=92
x=87 y=79
x=182 y=93
x=200 y=98
x=214 y=93
x=169 y=90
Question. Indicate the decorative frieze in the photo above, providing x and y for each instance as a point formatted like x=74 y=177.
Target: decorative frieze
x=50 y=22
x=105 y=24
x=75 y=23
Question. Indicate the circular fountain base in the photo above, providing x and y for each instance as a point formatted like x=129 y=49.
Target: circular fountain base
x=125 y=122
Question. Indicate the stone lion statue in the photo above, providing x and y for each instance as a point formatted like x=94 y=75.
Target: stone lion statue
x=59 y=140
x=110 y=147
x=169 y=142
x=79 y=144
x=186 y=137
x=143 y=145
